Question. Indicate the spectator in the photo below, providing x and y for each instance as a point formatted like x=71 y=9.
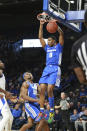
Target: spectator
x=78 y=106
x=64 y=105
x=82 y=121
x=82 y=111
x=58 y=120
x=83 y=95
x=16 y=112
x=73 y=118
x=21 y=120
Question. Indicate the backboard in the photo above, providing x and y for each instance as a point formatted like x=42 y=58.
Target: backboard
x=61 y=9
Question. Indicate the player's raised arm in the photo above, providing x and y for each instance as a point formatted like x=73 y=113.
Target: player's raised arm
x=61 y=35
x=41 y=34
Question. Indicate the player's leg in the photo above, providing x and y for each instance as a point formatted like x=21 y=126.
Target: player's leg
x=42 y=96
x=5 y=114
x=51 y=102
x=28 y=125
x=43 y=85
x=51 y=96
x=42 y=126
x=4 y=121
x=8 y=125
x=54 y=79
x=42 y=100
x=51 y=85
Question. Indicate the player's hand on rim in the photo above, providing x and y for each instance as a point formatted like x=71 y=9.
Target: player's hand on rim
x=59 y=29
x=42 y=22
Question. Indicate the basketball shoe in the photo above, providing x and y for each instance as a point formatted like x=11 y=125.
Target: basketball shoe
x=51 y=117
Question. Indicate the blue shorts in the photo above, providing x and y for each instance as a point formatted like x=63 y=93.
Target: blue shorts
x=32 y=110
x=51 y=75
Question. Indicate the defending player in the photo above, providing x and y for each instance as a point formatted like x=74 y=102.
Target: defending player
x=29 y=95
x=52 y=72
x=7 y=119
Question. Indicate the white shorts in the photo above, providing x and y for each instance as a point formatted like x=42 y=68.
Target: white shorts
x=4 y=105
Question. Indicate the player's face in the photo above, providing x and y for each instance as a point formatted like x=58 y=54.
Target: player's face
x=62 y=95
x=1 y=65
x=28 y=76
x=1 y=72
x=51 y=41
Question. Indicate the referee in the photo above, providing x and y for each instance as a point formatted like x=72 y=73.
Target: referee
x=79 y=56
x=64 y=106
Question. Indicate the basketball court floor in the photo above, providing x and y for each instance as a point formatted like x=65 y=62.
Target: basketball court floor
x=15 y=130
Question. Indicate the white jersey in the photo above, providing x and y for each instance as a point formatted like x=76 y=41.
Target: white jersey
x=2 y=83
x=7 y=118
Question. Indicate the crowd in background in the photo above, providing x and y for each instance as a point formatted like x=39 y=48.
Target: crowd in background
x=76 y=95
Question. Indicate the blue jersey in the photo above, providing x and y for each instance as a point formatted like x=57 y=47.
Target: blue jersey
x=32 y=90
x=53 y=54
x=32 y=108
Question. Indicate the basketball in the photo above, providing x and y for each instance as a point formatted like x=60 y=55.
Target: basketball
x=52 y=27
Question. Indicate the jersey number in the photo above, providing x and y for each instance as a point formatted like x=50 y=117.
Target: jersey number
x=50 y=54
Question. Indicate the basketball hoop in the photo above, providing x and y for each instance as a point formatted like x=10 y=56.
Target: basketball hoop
x=44 y=16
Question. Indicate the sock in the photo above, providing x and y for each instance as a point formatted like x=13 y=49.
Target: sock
x=51 y=103
x=52 y=110
x=42 y=110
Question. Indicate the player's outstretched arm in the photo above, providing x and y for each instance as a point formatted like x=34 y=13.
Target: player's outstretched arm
x=80 y=75
x=8 y=94
x=57 y=107
x=61 y=35
x=3 y=91
x=42 y=41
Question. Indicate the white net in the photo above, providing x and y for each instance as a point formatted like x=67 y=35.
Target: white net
x=45 y=16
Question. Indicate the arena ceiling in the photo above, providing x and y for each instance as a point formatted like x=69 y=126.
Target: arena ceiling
x=15 y=1
x=19 y=13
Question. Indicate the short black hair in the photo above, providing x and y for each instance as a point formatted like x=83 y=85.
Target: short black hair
x=85 y=16
x=53 y=37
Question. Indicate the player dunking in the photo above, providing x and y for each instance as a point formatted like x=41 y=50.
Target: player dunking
x=28 y=93
x=52 y=72
x=7 y=119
